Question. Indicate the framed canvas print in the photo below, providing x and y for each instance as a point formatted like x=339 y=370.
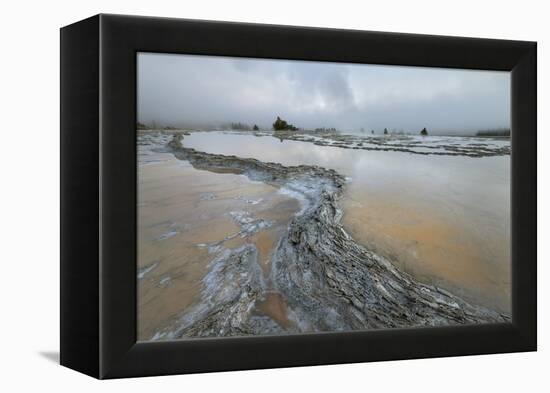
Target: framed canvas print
x=296 y=196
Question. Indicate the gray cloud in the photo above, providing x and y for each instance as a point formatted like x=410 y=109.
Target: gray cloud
x=186 y=90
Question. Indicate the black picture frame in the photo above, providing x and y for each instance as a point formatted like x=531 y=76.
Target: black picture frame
x=98 y=195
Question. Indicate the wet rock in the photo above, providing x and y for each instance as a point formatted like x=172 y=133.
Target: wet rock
x=397 y=143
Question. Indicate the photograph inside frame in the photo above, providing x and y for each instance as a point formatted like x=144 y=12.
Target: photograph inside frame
x=283 y=197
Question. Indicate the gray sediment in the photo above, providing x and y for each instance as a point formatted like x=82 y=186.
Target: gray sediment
x=328 y=280
x=397 y=143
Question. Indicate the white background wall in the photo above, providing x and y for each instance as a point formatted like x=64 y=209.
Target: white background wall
x=29 y=154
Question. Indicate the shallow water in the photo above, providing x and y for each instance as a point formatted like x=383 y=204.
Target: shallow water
x=444 y=219
x=185 y=216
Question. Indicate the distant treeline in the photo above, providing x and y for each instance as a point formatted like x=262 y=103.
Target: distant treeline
x=240 y=126
x=154 y=126
x=282 y=125
x=494 y=132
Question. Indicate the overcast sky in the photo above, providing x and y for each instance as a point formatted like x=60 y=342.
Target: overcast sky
x=186 y=90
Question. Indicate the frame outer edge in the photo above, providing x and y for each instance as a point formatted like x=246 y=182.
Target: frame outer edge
x=79 y=262
x=524 y=216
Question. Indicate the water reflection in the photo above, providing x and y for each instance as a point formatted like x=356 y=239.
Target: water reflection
x=443 y=219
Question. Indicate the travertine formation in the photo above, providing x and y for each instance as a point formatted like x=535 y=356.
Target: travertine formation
x=329 y=281
x=438 y=145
